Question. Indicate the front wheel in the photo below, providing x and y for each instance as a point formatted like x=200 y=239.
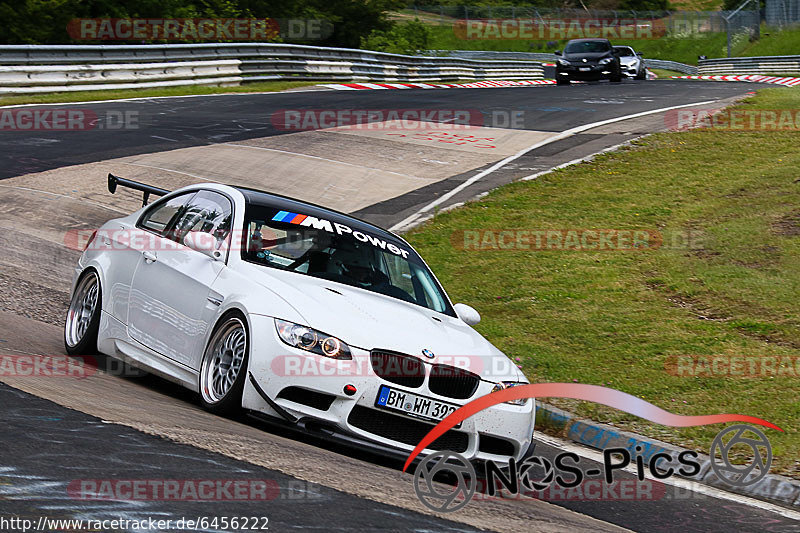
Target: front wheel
x=562 y=81
x=641 y=75
x=83 y=316
x=222 y=373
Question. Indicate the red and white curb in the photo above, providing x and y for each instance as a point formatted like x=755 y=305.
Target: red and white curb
x=752 y=78
x=489 y=84
x=471 y=85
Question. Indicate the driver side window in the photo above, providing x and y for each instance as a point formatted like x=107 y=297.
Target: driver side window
x=207 y=212
x=159 y=217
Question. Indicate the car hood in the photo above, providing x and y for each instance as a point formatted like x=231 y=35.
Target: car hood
x=594 y=57
x=628 y=60
x=370 y=321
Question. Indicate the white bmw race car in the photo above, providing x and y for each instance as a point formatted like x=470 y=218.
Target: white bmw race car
x=292 y=311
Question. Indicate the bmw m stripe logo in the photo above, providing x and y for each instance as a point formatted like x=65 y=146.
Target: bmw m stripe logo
x=291 y=218
x=339 y=229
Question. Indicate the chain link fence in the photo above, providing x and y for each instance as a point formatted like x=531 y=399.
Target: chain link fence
x=780 y=13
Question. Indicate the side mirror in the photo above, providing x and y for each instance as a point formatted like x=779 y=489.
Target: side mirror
x=557 y=52
x=466 y=313
x=203 y=242
x=639 y=54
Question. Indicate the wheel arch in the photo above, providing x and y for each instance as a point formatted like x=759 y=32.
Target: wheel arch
x=95 y=267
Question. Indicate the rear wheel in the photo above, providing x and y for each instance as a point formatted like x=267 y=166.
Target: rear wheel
x=83 y=316
x=222 y=373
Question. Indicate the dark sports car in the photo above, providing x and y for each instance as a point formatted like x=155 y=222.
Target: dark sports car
x=587 y=60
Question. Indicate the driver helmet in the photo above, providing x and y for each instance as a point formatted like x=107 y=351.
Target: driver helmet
x=354 y=262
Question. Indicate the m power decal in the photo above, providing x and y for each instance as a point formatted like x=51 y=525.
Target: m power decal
x=339 y=229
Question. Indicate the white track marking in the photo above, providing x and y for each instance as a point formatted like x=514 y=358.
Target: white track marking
x=563 y=135
x=693 y=486
x=323 y=159
x=59 y=195
x=141 y=98
x=164 y=138
x=170 y=170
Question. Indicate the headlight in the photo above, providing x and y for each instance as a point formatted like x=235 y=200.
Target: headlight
x=312 y=340
x=507 y=385
x=563 y=62
x=606 y=60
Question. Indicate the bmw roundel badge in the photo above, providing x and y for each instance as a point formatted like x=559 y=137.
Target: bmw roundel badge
x=427 y=353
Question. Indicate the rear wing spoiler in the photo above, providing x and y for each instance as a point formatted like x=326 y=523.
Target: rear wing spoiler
x=147 y=190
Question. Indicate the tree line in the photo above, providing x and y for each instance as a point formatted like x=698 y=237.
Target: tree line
x=47 y=21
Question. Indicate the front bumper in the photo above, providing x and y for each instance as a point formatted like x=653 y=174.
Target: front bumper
x=630 y=70
x=310 y=390
x=585 y=72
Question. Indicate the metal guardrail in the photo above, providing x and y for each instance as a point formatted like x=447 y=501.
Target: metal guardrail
x=56 y=68
x=551 y=58
x=492 y=55
x=765 y=65
x=670 y=65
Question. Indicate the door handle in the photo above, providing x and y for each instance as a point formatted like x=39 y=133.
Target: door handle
x=149 y=257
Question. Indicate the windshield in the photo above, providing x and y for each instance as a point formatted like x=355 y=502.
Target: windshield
x=587 y=47
x=336 y=252
x=624 y=51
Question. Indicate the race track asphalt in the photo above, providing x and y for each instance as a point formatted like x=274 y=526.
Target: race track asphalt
x=46 y=445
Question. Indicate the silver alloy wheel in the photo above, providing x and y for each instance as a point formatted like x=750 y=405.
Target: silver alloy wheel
x=223 y=360
x=81 y=309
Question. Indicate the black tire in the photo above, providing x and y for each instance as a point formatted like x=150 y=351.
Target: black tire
x=641 y=75
x=83 y=316
x=221 y=391
x=616 y=75
x=562 y=81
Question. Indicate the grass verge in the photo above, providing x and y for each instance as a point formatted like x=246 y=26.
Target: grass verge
x=662 y=73
x=89 y=96
x=726 y=282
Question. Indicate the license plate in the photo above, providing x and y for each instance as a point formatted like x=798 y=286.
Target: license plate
x=585 y=69
x=413 y=405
